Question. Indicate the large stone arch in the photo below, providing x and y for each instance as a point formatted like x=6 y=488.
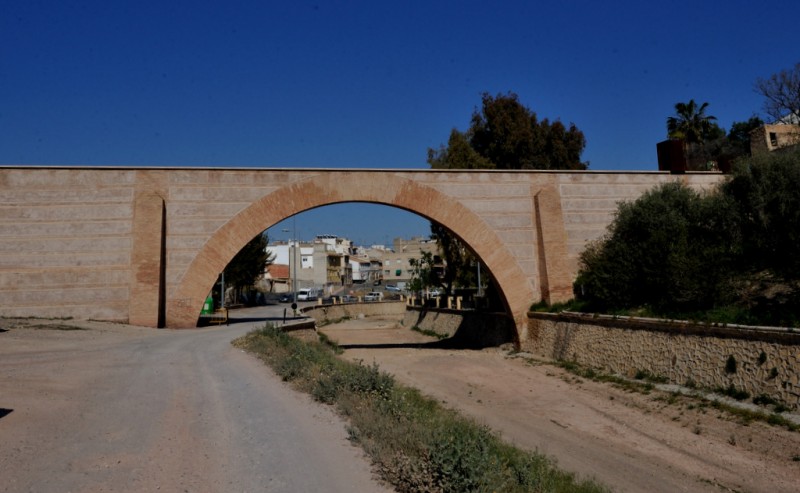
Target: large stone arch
x=185 y=302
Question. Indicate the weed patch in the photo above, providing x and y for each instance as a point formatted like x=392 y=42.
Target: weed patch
x=649 y=377
x=748 y=416
x=54 y=327
x=323 y=323
x=594 y=375
x=324 y=339
x=734 y=393
x=414 y=443
x=773 y=418
x=430 y=333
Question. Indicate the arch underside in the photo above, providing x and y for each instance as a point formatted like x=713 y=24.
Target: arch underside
x=325 y=189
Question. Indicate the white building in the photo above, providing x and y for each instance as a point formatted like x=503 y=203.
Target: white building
x=323 y=264
x=300 y=261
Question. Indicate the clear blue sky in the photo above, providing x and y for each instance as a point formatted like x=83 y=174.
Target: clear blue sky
x=365 y=84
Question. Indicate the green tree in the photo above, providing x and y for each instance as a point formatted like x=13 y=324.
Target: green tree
x=672 y=249
x=458 y=154
x=739 y=135
x=691 y=123
x=460 y=260
x=781 y=92
x=424 y=272
x=504 y=134
x=766 y=193
x=243 y=270
x=510 y=135
x=677 y=251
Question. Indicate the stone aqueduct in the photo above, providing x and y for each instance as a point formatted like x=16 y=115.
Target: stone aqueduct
x=145 y=245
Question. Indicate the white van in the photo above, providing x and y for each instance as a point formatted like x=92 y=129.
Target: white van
x=307 y=294
x=374 y=296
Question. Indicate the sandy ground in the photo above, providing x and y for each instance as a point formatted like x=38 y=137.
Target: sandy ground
x=628 y=440
x=120 y=408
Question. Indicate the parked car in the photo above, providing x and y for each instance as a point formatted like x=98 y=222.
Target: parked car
x=392 y=287
x=373 y=296
x=308 y=294
x=285 y=298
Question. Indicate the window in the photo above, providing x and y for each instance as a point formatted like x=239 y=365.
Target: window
x=773 y=139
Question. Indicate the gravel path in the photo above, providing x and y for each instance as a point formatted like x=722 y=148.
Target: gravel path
x=117 y=408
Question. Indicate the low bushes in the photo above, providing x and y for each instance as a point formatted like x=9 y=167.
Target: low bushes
x=416 y=445
x=728 y=255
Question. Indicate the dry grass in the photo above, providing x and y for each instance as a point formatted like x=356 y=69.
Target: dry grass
x=414 y=443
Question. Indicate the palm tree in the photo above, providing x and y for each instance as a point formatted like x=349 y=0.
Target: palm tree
x=691 y=123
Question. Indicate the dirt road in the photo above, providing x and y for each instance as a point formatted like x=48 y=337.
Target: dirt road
x=630 y=441
x=116 y=408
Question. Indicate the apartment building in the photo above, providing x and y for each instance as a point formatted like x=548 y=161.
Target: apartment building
x=322 y=263
x=397 y=267
x=330 y=262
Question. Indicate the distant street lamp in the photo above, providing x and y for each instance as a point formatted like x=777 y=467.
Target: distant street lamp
x=222 y=290
x=479 y=279
x=293 y=270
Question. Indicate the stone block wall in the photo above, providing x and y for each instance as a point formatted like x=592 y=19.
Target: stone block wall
x=767 y=360
x=463 y=328
x=330 y=313
x=444 y=323
x=66 y=240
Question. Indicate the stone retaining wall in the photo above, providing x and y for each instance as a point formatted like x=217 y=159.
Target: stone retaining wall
x=766 y=360
x=332 y=313
x=465 y=328
x=304 y=329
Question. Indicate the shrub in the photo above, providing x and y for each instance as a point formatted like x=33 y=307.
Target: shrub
x=728 y=255
x=646 y=375
x=765 y=191
x=733 y=392
x=765 y=400
x=415 y=444
x=667 y=250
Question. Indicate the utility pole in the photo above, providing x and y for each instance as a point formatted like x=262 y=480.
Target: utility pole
x=293 y=267
x=479 y=279
x=222 y=291
x=294 y=282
